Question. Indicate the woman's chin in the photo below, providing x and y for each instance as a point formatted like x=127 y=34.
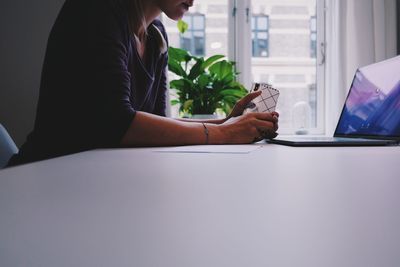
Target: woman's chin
x=177 y=13
x=175 y=16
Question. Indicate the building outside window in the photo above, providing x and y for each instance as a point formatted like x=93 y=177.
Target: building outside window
x=193 y=40
x=259 y=28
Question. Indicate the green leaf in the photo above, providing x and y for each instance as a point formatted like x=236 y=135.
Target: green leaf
x=221 y=69
x=230 y=99
x=203 y=80
x=211 y=60
x=233 y=92
x=182 y=26
x=178 y=54
x=228 y=79
x=197 y=69
x=183 y=87
x=176 y=68
x=177 y=84
x=187 y=104
x=238 y=85
x=174 y=102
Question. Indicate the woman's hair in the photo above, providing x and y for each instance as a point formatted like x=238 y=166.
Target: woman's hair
x=136 y=17
x=137 y=21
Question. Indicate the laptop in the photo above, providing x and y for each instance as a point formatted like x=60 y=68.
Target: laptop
x=371 y=112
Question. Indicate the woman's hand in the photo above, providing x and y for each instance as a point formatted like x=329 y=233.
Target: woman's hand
x=250 y=127
x=242 y=104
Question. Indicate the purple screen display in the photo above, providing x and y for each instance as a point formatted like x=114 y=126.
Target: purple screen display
x=372 y=107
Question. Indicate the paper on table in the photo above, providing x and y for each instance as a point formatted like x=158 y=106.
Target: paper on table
x=222 y=149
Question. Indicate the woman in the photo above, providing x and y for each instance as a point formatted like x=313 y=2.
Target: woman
x=103 y=84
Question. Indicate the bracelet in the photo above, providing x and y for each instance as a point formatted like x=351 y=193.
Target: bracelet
x=205 y=132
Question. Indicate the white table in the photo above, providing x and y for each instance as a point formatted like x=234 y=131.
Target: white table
x=277 y=206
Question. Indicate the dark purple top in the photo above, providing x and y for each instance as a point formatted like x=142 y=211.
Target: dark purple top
x=93 y=81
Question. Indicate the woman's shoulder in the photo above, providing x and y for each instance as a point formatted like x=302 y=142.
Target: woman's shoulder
x=158 y=24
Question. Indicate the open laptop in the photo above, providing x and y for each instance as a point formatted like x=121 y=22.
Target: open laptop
x=371 y=113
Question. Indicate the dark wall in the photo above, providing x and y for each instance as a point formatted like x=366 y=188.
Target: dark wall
x=24 y=29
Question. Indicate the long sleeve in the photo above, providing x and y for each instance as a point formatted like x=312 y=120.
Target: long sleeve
x=108 y=46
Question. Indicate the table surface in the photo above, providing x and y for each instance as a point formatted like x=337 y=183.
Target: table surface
x=276 y=206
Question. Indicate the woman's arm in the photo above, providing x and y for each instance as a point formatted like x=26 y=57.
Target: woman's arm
x=152 y=130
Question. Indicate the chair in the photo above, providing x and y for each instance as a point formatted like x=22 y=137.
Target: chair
x=7 y=147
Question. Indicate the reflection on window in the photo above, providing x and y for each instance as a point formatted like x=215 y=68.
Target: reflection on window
x=313 y=37
x=193 y=40
x=260 y=35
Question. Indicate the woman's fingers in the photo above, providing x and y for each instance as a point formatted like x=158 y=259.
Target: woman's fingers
x=266 y=124
x=263 y=126
x=276 y=114
x=250 y=127
x=270 y=134
x=242 y=104
x=266 y=116
x=248 y=98
x=276 y=127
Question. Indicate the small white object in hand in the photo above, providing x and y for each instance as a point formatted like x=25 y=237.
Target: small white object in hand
x=267 y=101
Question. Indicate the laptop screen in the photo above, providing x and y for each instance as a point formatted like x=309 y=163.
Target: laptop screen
x=372 y=107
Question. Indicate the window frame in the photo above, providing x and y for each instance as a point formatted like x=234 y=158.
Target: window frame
x=191 y=33
x=240 y=25
x=256 y=31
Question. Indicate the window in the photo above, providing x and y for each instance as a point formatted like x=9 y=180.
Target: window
x=193 y=40
x=259 y=27
x=313 y=37
x=271 y=41
x=291 y=65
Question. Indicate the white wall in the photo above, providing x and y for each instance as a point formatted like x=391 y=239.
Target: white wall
x=24 y=29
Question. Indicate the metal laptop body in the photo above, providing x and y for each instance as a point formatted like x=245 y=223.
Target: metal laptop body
x=331 y=141
x=371 y=113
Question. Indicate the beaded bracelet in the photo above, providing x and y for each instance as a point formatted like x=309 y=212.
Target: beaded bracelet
x=205 y=132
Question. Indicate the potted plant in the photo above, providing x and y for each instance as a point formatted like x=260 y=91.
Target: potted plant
x=203 y=85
